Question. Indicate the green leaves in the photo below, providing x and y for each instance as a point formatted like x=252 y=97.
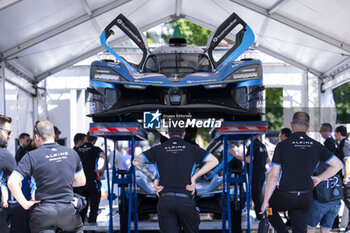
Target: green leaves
x=194 y=34
x=341 y=96
x=274 y=108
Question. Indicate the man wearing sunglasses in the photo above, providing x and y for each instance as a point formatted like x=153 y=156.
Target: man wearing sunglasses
x=56 y=169
x=7 y=164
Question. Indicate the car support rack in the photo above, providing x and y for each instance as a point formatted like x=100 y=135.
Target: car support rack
x=125 y=179
x=237 y=131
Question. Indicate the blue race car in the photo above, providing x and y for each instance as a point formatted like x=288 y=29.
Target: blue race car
x=178 y=78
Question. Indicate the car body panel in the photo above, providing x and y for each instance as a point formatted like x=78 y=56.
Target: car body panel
x=155 y=79
x=178 y=78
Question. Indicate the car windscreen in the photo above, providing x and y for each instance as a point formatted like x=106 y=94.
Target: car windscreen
x=179 y=64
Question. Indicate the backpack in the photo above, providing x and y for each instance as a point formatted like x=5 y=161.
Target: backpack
x=328 y=190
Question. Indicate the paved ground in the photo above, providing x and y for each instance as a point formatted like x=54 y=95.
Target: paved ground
x=206 y=225
x=150 y=226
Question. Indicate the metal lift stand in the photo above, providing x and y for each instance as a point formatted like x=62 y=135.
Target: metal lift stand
x=237 y=131
x=132 y=131
x=120 y=131
x=109 y=196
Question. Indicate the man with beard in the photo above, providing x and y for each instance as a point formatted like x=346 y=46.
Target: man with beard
x=7 y=164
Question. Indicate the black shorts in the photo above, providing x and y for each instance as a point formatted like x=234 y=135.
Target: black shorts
x=50 y=216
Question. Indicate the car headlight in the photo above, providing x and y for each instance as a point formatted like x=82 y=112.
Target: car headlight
x=246 y=72
x=135 y=87
x=212 y=86
x=101 y=73
x=247 y=75
x=107 y=77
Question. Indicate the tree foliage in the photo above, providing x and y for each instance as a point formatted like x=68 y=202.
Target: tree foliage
x=274 y=108
x=194 y=34
x=341 y=96
x=204 y=132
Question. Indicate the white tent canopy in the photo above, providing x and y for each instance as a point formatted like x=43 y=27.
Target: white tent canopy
x=39 y=38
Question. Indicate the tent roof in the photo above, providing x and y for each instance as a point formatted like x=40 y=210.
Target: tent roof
x=40 y=38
